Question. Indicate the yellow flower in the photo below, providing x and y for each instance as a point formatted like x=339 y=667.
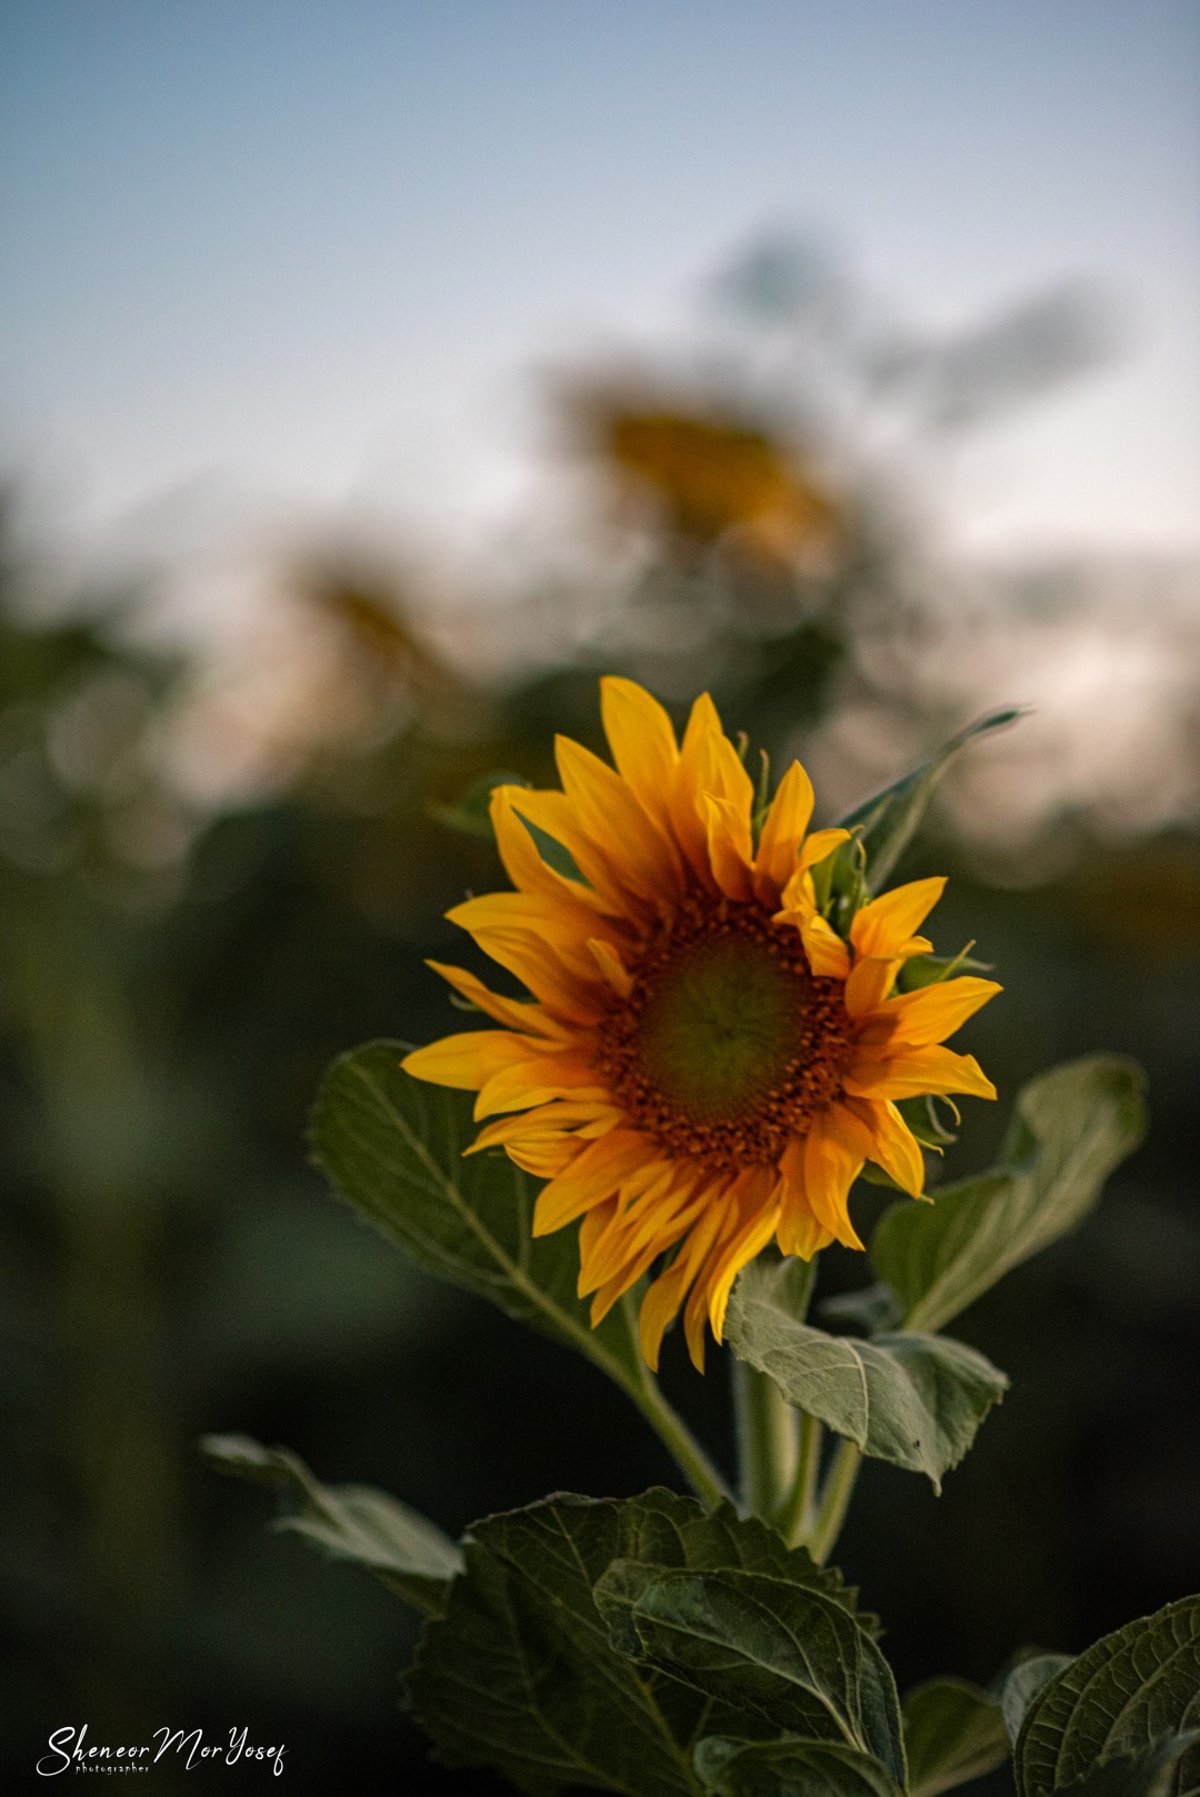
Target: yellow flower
x=706 y=1065
x=712 y=474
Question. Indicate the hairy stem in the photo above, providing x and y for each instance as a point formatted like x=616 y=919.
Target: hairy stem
x=834 y=1501
x=690 y=1457
x=766 y=1437
x=796 y=1518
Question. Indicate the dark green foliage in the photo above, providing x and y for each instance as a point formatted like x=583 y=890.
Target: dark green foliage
x=1125 y=1696
x=549 y=1665
x=915 y=1400
x=1072 y=1126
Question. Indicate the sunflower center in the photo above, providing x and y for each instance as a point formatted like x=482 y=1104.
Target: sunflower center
x=728 y=1043
x=717 y=1027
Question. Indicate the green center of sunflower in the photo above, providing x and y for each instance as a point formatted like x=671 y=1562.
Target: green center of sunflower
x=719 y=1027
x=728 y=1043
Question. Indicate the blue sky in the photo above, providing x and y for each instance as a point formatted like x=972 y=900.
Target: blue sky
x=314 y=248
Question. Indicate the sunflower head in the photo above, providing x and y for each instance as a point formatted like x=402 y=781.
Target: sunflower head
x=703 y=1064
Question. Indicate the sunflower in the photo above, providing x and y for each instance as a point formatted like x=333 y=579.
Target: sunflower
x=705 y=1064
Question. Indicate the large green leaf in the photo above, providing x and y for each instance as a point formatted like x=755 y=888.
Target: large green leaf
x=953 y=1732
x=916 y=1400
x=521 y=1672
x=783 y=1652
x=393 y=1146
x=1150 y=1772
x=1025 y=1682
x=1072 y=1126
x=1127 y=1693
x=887 y=823
x=789 y=1768
x=350 y=1522
x=720 y=1538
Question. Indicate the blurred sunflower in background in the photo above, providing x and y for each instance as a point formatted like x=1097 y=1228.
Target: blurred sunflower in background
x=708 y=474
x=705 y=1064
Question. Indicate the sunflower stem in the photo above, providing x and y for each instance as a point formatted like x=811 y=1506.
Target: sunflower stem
x=767 y=1441
x=834 y=1501
x=797 y=1516
x=692 y=1460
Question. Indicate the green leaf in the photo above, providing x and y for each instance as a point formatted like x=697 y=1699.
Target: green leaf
x=1123 y=1695
x=470 y=813
x=521 y=1672
x=1072 y=1126
x=619 y=1592
x=783 y=1652
x=867 y=1311
x=953 y=1732
x=1024 y=1683
x=393 y=1147
x=887 y=823
x=916 y=1400
x=789 y=1768
x=411 y=1555
x=1148 y=1773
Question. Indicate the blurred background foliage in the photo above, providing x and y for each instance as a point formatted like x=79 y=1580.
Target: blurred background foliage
x=222 y=861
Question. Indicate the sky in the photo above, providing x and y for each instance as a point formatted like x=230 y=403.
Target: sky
x=316 y=249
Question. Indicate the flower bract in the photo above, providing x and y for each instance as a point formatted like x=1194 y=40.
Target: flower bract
x=703 y=1065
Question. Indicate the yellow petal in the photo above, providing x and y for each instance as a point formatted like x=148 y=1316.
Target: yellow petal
x=611 y=966
x=556 y=922
x=915 y=1072
x=523 y=860
x=659 y=1209
x=827 y=954
x=469 y=1060
x=545 y=1120
x=639 y=1231
x=799 y=895
x=705 y=769
x=592 y=1177
x=831 y=1166
x=782 y=833
x=642 y=741
x=554 y=813
x=594 y=1224
x=512 y=1011
x=723 y=776
x=525 y=1083
x=545 y=1157
x=575 y=996
x=533 y=941
x=638 y=855
x=695 y=1309
x=753 y=1236
x=883 y=927
x=729 y=849
x=666 y=1294
x=819 y=846
x=798 y=1231
x=615 y=1288
x=660 y=1306
x=868 y=985
x=893 y=1145
x=931 y=1013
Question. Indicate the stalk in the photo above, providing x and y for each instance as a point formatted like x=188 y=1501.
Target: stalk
x=834 y=1501
x=767 y=1441
x=644 y=1390
x=797 y=1516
